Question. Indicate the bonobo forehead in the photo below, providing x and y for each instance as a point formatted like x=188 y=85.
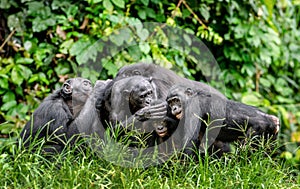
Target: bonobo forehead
x=143 y=85
x=136 y=69
x=176 y=91
x=79 y=84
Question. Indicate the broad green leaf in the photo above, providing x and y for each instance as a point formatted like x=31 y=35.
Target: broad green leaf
x=179 y=60
x=111 y=68
x=26 y=72
x=251 y=99
x=265 y=82
x=3 y=83
x=62 y=69
x=16 y=76
x=142 y=13
x=119 y=3
x=8 y=96
x=8 y=105
x=145 y=48
x=84 y=50
x=145 y=2
x=143 y=34
x=24 y=60
x=204 y=11
x=43 y=78
x=108 y=5
x=135 y=51
x=16 y=21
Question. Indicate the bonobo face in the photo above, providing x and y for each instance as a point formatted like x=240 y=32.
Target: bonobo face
x=161 y=128
x=77 y=88
x=142 y=94
x=176 y=106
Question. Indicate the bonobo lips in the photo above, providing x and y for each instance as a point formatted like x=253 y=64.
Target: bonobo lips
x=179 y=115
x=162 y=134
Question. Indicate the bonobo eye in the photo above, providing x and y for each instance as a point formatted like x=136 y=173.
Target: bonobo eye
x=87 y=83
x=136 y=72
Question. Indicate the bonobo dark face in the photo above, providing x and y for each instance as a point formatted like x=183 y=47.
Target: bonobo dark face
x=177 y=97
x=76 y=91
x=142 y=94
x=161 y=128
x=175 y=106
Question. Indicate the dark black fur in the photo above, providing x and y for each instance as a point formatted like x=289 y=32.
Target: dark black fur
x=52 y=119
x=228 y=120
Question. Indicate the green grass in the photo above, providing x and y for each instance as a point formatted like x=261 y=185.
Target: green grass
x=243 y=168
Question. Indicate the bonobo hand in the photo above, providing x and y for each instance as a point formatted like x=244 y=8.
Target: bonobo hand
x=152 y=112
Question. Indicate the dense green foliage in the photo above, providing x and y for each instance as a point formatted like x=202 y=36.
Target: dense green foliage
x=256 y=44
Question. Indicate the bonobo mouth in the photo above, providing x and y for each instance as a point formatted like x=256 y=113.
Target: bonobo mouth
x=162 y=134
x=179 y=115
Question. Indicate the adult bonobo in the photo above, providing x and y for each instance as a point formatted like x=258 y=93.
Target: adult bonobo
x=52 y=119
x=128 y=100
x=226 y=118
x=163 y=78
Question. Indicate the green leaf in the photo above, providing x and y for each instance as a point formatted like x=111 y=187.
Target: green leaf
x=8 y=96
x=119 y=3
x=142 y=13
x=16 y=76
x=3 y=83
x=143 y=34
x=26 y=71
x=43 y=78
x=145 y=48
x=23 y=60
x=84 y=50
x=204 y=11
x=8 y=105
x=108 y=5
x=265 y=82
x=111 y=68
x=62 y=69
x=251 y=99
x=145 y=2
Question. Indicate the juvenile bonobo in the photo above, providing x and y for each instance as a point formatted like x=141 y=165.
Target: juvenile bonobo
x=52 y=119
x=229 y=115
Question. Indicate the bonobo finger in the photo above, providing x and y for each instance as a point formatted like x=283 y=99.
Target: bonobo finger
x=156 y=108
x=158 y=113
x=163 y=104
x=157 y=117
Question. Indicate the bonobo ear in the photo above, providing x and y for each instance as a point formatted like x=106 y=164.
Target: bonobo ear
x=67 y=89
x=126 y=94
x=189 y=92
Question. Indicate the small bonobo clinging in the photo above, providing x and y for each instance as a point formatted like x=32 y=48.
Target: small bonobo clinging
x=234 y=114
x=51 y=120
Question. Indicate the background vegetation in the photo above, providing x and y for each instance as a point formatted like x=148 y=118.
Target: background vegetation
x=256 y=44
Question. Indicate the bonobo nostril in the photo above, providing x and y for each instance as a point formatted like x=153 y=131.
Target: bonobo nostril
x=160 y=127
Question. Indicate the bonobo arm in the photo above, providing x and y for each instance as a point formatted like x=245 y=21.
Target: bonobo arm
x=58 y=117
